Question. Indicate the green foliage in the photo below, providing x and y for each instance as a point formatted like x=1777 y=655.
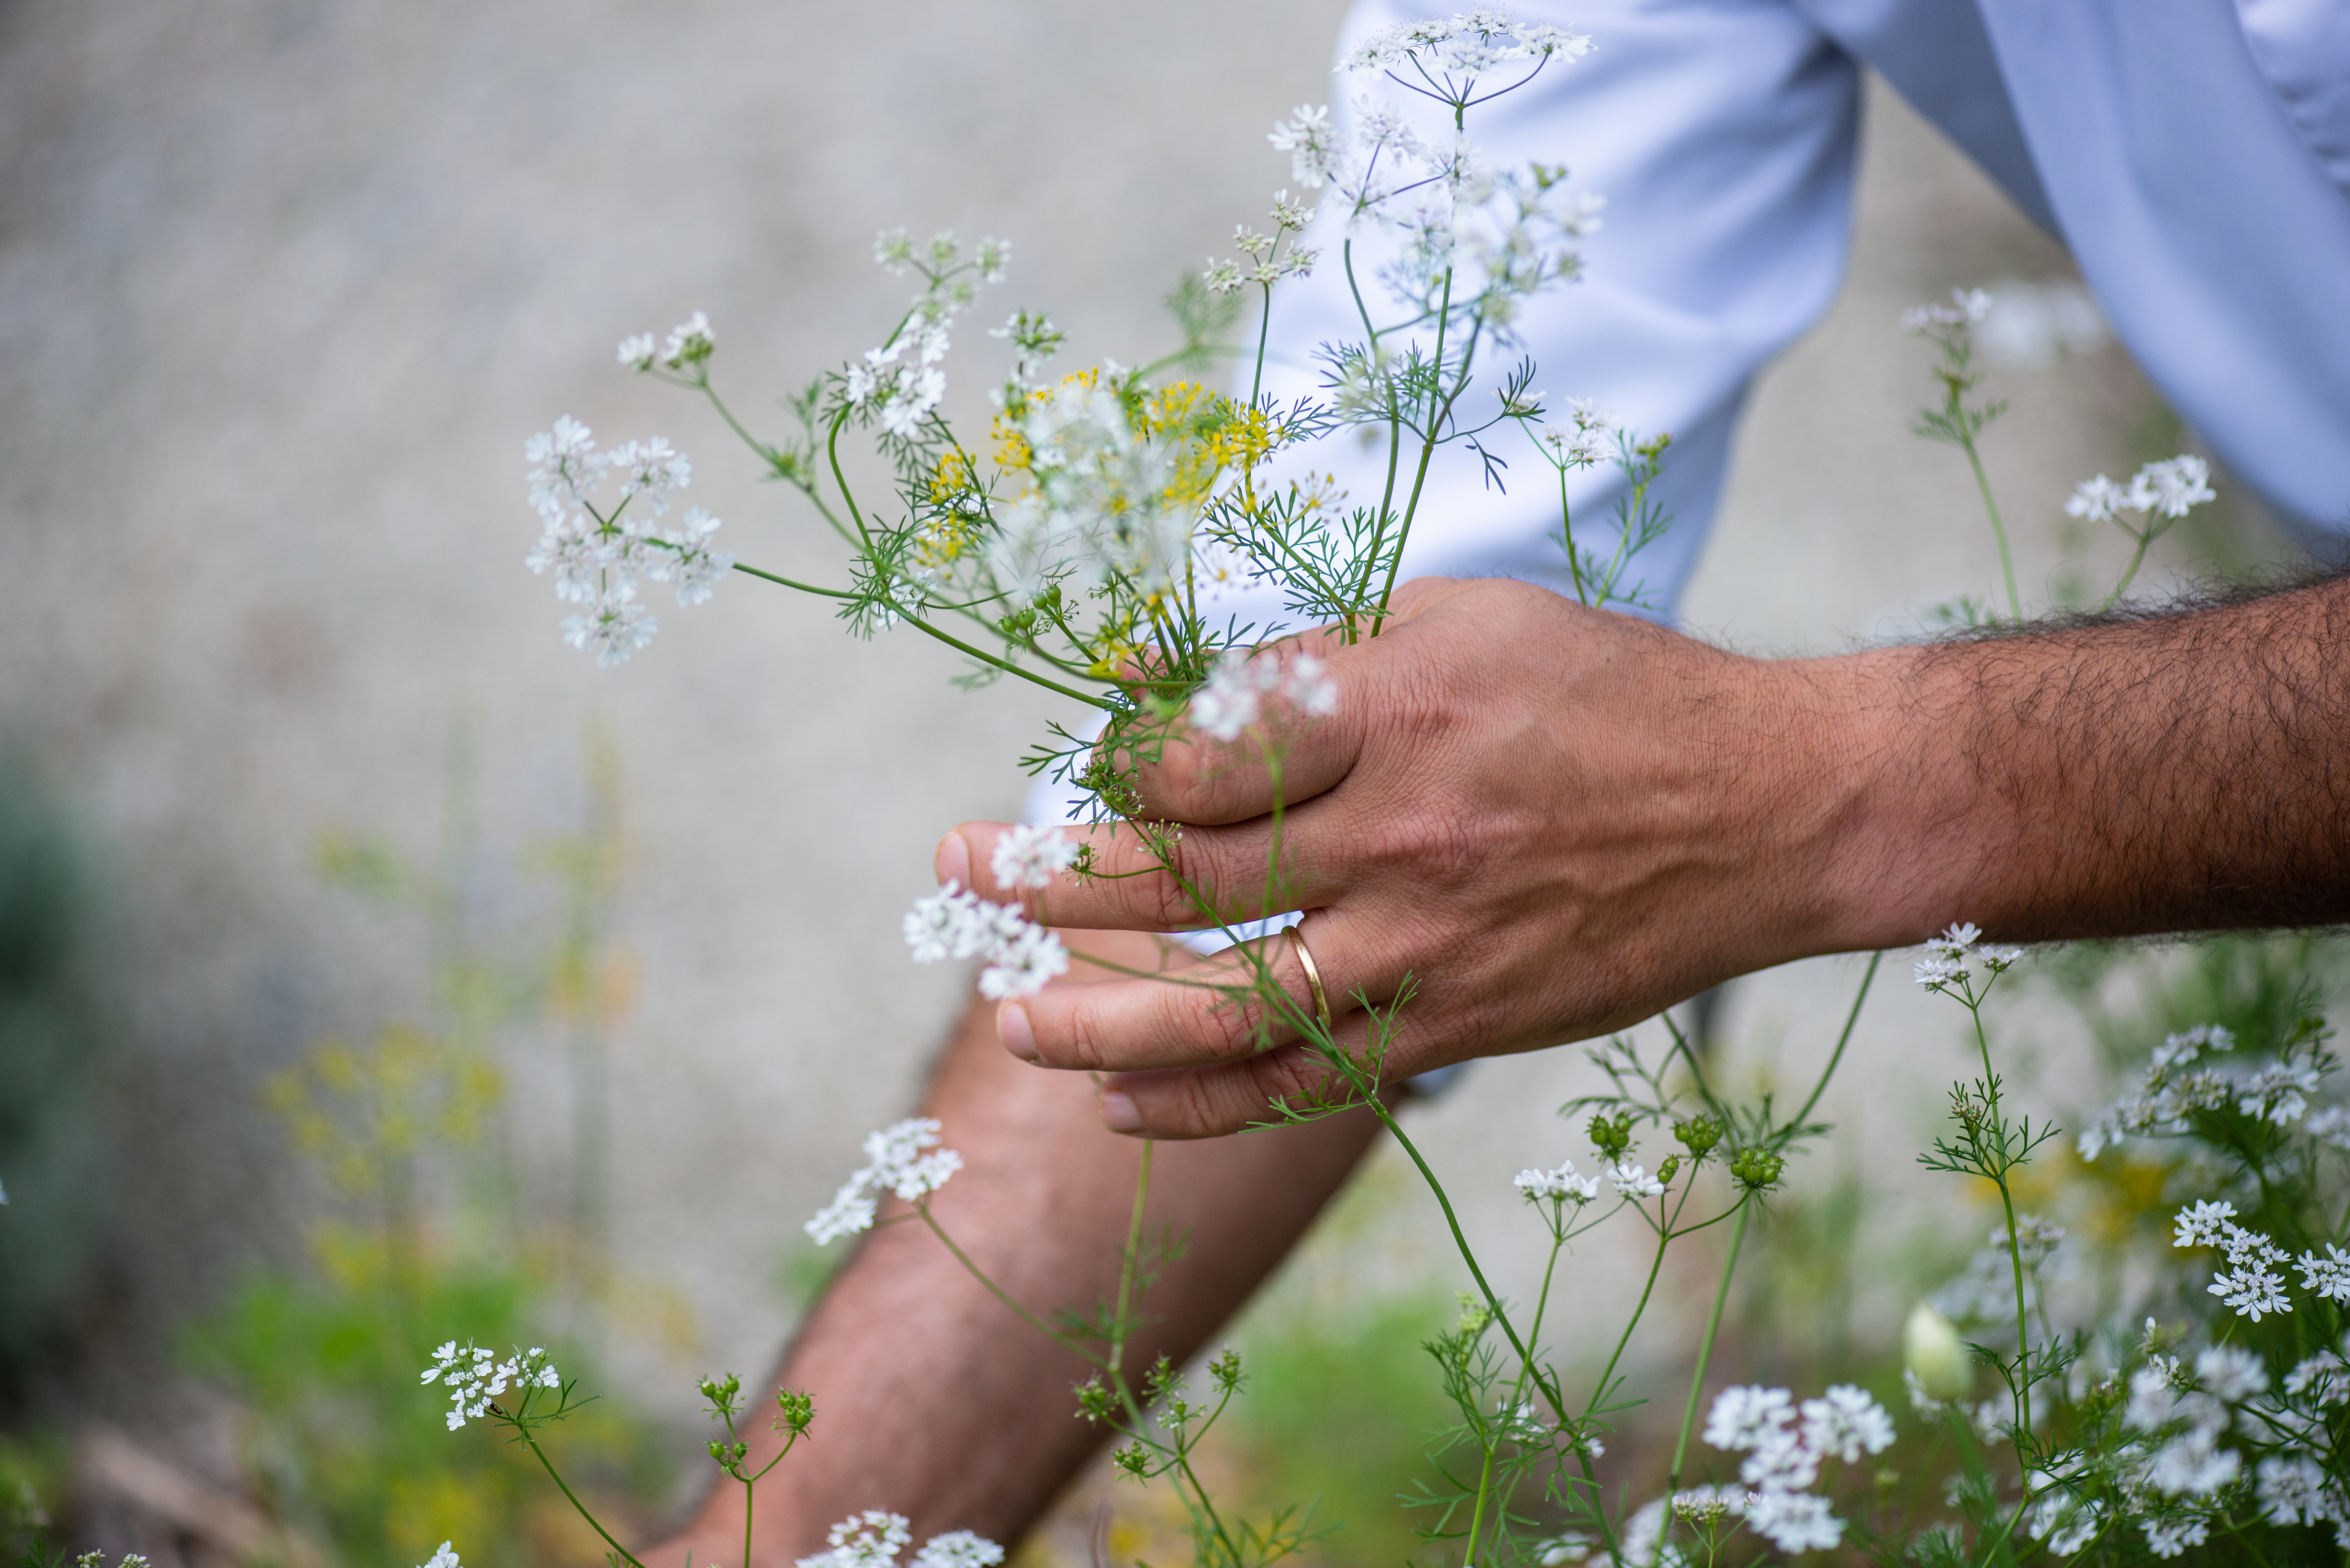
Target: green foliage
x=420 y=1243
x=34 y=1472
x=52 y=1067
x=1337 y=1415
x=340 y=1440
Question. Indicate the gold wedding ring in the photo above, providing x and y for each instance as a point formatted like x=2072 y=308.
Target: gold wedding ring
x=1313 y=976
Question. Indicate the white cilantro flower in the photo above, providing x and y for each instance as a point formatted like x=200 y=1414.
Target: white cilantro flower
x=2293 y=1491
x=2170 y=1537
x=474 y=1375
x=2097 y=499
x=1031 y=856
x=1025 y=965
x=616 y=628
x=1559 y=1186
x=2173 y=487
x=690 y=342
x=1745 y=1416
x=2193 y=1464
x=1795 y=1521
x=1228 y=704
x=869 y=1540
x=904 y=1158
x=958 y=1549
x=446 y=1557
x=1967 y=307
x=955 y=923
x=1846 y=1422
x=2328 y=1276
x=2231 y=1372
x=1315 y=156
x=1633 y=1180
x=637 y=353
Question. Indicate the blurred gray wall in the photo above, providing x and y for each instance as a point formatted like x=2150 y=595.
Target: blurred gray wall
x=282 y=287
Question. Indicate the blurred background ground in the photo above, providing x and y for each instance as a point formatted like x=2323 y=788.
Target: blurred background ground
x=283 y=286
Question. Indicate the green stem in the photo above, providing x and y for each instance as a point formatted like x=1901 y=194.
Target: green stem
x=1835 y=1056
x=2144 y=541
x=1461 y=1243
x=1021 y=1312
x=540 y=1454
x=1125 y=1265
x=1997 y=1125
x=1656 y=1265
x=1263 y=326
x=788 y=582
x=1477 y=1513
x=1704 y=1355
x=1998 y=529
x=1216 y=1520
x=1008 y=667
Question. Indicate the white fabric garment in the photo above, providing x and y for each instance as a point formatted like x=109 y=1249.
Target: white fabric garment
x=2194 y=154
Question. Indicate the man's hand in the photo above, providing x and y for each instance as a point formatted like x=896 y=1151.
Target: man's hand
x=1558 y=822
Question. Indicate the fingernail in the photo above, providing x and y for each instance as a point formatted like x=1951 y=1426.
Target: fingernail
x=951 y=860
x=1012 y=1028
x=1117 y=1112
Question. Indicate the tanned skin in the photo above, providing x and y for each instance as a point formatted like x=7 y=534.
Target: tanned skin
x=1559 y=822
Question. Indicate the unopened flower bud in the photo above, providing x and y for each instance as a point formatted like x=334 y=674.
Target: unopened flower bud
x=1698 y=1135
x=1757 y=1169
x=1611 y=1135
x=1935 y=1355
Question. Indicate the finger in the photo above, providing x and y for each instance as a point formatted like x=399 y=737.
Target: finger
x=1187 y=773
x=1218 y=1012
x=1192 y=777
x=1209 y=1102
x=1142 y=877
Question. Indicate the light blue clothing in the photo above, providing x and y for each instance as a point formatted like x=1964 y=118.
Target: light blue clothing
x=2194 y=154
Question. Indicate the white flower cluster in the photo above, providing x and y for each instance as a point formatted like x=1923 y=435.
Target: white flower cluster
x=2170 y=1474
x=444 y=1557
x=689 y=344
x=1034 y=341
x=874 y=1538
x=1102 y=505
x=1432 y=189
x=895 y=1161
x=2182 y=1080
x=1785 y=1446
x=1470 y=44
x=957 y=923
x=600 y=546
x=1634 y=1181
x=1559 y=1186
x=1265 y=262
x=2169 y=489
x=474 y=1377
x=1582 y=442
x=1944 y=967
x=1967 y=307
x=2251 y=1283
x=900 y=382
x=1031 y=856
x=1233 y=699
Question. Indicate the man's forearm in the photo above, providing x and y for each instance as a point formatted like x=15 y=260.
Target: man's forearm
x=932 y=1400
x=2179 y=772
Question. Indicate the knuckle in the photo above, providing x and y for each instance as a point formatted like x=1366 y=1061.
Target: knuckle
x=1211 y=1023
